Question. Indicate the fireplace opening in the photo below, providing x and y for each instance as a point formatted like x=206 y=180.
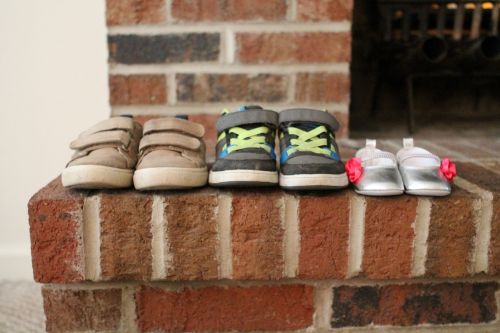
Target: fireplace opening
x=418 y=64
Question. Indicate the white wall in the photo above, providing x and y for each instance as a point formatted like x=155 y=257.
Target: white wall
x=53 y=84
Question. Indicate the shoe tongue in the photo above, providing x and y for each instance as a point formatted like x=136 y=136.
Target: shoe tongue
x=249 y=108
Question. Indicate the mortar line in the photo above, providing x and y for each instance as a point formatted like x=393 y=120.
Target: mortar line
x=243 y=27
x=157 y=242
x=213 y=108
x=229 y=49
x=128 y=322
x=323 y=301
x=225 y=251
x=171 y=88
x=228 y=68
x=92 y=237
x=483 y=209
x=421 y=230
x=291 y=10
x=292 y=82
x=291 y=242
x=357 y=208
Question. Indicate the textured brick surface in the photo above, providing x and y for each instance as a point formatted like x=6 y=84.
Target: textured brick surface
x=189 y=47
x=231 y=87
x=489 y=181
x=55 y=218
x=126 y=236
x=216 y=309
x=389 y=234
x=343 y=119
x=322 y=87
x=320 y=47
x=137 y=89
x=220 y=10
x=69 y=310
x=192 y=235
x=451 y=235
x=406 y=305
x=324 y=236
x=324 y=10
x=129 y=12
x=257 y=235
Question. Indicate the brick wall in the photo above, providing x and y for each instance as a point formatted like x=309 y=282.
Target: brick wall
x=198 y=56
x=214 y=260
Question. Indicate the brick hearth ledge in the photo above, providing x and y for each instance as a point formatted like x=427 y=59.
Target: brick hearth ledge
x=269 y=260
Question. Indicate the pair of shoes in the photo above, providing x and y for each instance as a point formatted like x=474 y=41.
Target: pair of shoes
x=412 y=170
x=168 y=153
x=246 y=155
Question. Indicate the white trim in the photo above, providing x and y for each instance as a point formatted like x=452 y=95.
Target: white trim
x=421 y=231
x=158 y=239
x=291 y=242
x=357 y=209
x=225 y=250
x=92 y=237
x=228 y=68
x=237 y=27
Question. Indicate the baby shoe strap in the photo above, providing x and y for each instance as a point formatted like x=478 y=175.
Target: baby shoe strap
x=174 y=124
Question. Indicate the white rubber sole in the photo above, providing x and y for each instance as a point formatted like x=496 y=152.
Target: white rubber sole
x=314 y=182
x=243 y=178
x=428 y=193
x=96 y=177
x=380 y=193
x=167 y=178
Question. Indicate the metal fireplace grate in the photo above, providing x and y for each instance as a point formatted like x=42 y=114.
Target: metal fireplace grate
x=420 y=38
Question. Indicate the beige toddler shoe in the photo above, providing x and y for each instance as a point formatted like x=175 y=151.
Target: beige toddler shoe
x=105 y=155
x=171 y=155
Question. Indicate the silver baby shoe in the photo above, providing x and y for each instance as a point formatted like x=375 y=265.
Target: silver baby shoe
x=423 y=172
x=374 y=172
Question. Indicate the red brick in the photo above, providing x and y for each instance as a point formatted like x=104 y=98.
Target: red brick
x=293 y=47
x=192 y=235
x=389 y=237
x=208 y=120
x=324 y=10
x=218 y=309
x=137 y=89
x=489 y=181
x=324 y=236
x=233 y=10
x=55 y=218
x=451 y=235
x=201 y=88
x=257 y=235
x=322 y=87
x=82 y=310
x=414 y=304
x=343 y=119
x=126 y=236
x=130 y=12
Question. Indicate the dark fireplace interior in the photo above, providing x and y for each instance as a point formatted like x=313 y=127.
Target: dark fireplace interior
x=419 y=63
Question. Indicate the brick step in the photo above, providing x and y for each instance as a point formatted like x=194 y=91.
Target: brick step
x=211 y=234
x=304 y=307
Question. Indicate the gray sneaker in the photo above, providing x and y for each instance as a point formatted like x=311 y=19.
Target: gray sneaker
x=245 y=154
x=310 y=157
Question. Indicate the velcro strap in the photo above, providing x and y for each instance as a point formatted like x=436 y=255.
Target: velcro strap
x=174 y=124
x=234 y=119
x=119 y=138
x=310 y=115
x=115 y=123
x=169 y=139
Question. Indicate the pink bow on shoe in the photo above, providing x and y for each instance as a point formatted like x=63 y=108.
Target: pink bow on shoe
x=354 y=169
x=448 y=169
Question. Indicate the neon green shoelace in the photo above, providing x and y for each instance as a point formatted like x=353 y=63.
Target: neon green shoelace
x=251 y=138
x=308 y=141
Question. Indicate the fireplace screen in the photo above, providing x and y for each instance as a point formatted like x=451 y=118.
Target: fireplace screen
x=431 y=43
